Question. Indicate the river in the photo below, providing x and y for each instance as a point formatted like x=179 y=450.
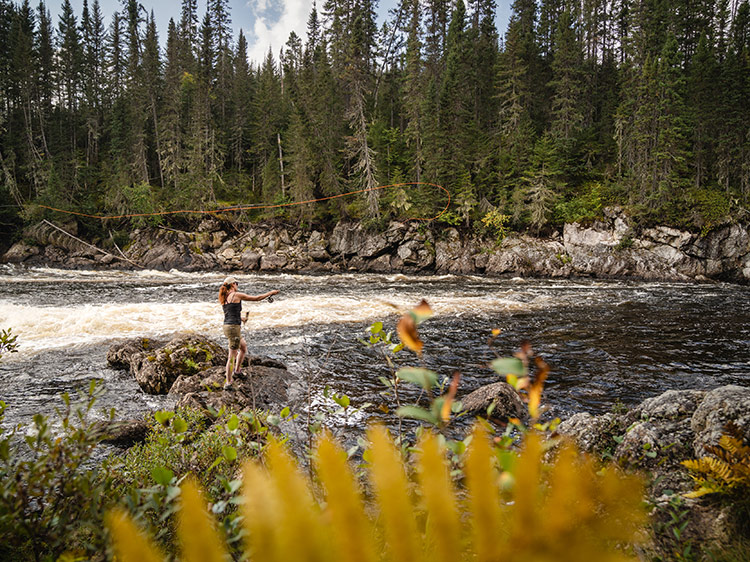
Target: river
x=607 y=342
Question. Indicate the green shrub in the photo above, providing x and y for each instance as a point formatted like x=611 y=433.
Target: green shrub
x=52 y=497
x=585 y=205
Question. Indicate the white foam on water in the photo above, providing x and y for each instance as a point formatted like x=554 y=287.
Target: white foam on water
x=57 y=327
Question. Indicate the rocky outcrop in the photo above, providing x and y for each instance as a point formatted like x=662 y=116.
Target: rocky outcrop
x=656 y=437
x=191 y=367
x=156 y=369
x=608 y=248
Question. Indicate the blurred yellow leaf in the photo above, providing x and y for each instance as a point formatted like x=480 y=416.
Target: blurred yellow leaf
x=535 y=392
x=422 y=312
x=199 y=539
x=130 y=545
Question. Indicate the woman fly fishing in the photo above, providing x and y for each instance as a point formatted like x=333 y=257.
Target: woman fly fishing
x=231 y=301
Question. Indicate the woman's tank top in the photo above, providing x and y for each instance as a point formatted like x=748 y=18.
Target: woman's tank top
x=232 y=312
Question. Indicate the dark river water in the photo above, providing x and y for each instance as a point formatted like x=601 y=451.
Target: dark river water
x=607 y=342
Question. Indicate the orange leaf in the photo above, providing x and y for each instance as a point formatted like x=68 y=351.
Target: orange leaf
x=445 y=411
x=535 y=392
x=407 y=331
x=422 y=311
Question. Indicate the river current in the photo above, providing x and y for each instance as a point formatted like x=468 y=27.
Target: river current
x=607 y=342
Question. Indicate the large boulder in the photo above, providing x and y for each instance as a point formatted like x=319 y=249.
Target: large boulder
x=20 y=251
x=262 y=384
x=719 y=407
x=498 y=401
x=157 y=369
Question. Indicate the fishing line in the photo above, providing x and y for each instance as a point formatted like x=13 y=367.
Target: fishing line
x=264 y=206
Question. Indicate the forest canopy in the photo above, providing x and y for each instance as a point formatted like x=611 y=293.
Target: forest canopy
x=639 y=103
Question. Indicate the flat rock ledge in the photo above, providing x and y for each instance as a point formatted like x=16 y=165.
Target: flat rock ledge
x=656 y=437
x=191 y=367
x=608 y=248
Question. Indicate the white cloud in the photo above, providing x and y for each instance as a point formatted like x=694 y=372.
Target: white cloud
x=274 y=34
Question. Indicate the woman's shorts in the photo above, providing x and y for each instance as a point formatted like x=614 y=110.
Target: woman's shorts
x=233 y=334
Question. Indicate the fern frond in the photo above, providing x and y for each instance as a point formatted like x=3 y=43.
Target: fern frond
x=300 y=535
x=484 y=497
x=199 y=539
x=261 y=513
x=443 y=528
x=351 y=530
x=130 y=545
x=396 y=511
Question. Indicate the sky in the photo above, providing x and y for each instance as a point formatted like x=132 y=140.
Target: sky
x=265 y=23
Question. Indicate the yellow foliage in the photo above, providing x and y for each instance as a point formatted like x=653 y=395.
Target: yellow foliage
x=392 y=489
x=351 y=530
x=199 y=539
x=725 y=472
x=443 y=532
x=128 y=542
x=563 y=511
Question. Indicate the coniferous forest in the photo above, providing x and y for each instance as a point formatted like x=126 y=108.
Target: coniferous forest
x=639 y=103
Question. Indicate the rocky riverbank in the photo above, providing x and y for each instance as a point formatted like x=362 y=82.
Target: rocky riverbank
x=609 y=248
x=653 y=438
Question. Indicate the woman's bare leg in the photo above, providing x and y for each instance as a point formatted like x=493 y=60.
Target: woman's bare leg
x=241 y=356
x=230 y=365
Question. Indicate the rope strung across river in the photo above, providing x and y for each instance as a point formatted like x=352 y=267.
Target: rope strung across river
x=264 y=206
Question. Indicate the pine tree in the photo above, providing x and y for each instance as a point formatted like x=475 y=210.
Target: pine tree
x=702 y=95
x=153 y=85
x=567 y=86
x=413 y=91
x=515 y=129
x=176 y=82
x=358 y=82
x=458 y=125
x=69 y=56
x=44 y=54
x=243 y=91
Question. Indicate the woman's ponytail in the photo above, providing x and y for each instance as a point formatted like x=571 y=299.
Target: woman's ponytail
x=223 y=292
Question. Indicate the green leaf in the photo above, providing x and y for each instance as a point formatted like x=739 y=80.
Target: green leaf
x=162 y=475
x=179 y=425
x=285 y=412
x=163 y=417
x=506 y=459
x=233 y=423
x=417 y=413
x=229 y=452
x=386 y=382
x=509 y=366
x=417 y=375
x=376 y=328
x=342 y=400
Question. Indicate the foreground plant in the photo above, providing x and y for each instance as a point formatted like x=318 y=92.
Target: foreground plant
x=51 y=496
x=726 y=471
x=535 y=511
